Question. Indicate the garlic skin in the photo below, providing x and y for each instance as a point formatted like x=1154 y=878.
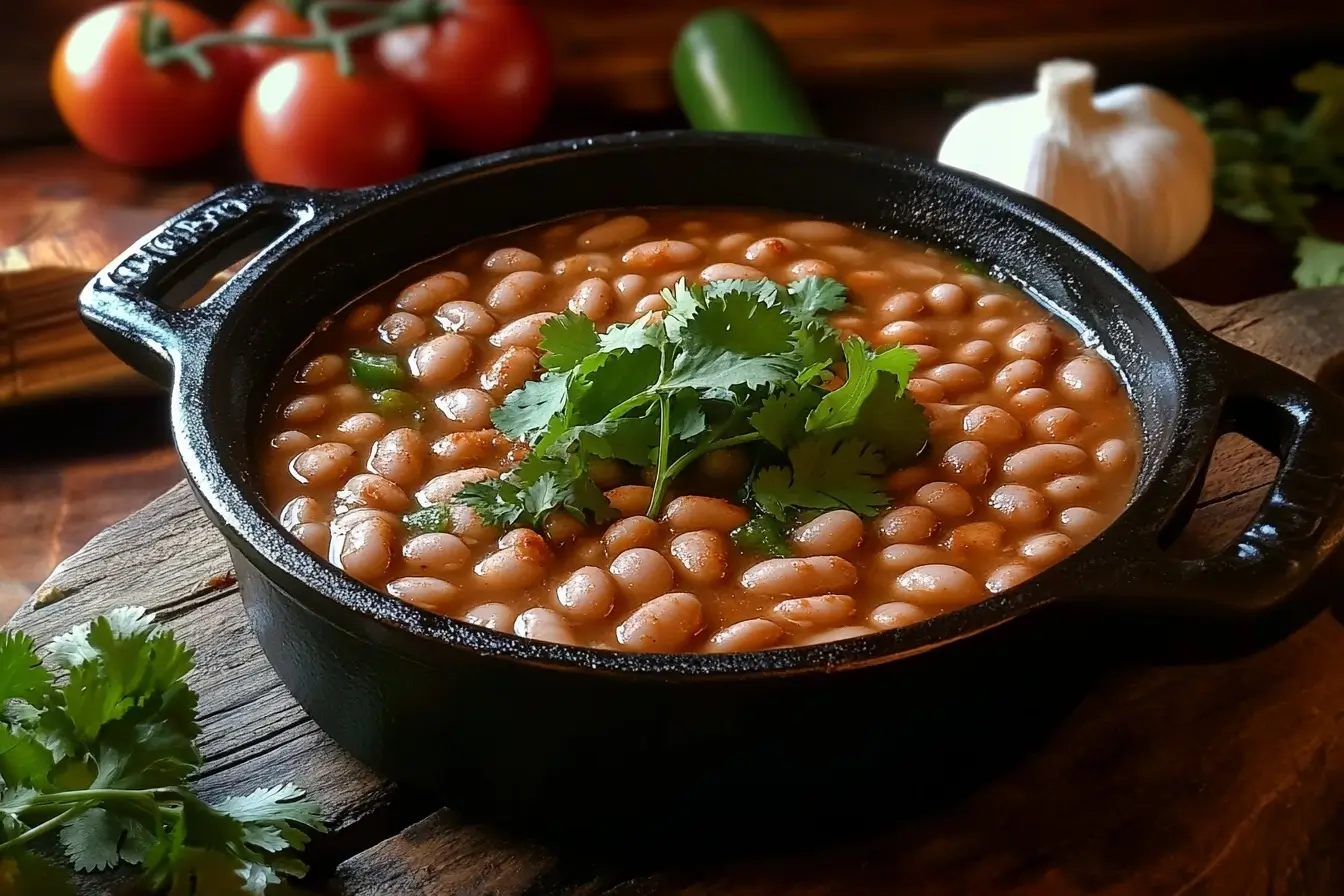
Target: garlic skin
x=1131 y=163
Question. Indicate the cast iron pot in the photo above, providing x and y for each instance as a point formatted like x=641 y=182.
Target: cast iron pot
x=543 y=730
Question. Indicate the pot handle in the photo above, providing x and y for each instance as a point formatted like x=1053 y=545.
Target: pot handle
x=1294 y=530
x=134 y=304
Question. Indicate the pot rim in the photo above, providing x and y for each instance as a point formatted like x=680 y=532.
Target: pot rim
x=303 y=576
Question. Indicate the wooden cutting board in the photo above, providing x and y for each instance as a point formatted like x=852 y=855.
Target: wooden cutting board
x=1218 y=779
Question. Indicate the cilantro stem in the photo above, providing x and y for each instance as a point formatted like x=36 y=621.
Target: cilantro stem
x=104 y=795
x=664 y=440
x=47 y=826
x=681 y=463
x=629 y=405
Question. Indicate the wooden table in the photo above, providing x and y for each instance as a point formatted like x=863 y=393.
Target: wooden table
x=1214 y=779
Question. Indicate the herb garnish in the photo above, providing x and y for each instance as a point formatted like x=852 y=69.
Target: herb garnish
x=731 y=363
x=1272 y=167
x=103 y=758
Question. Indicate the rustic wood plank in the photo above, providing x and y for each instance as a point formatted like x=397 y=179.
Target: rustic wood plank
x=1197 y=766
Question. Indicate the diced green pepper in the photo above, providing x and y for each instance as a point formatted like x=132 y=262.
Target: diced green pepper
x=374 y=371
x=762 y=535
x=399 y=405
x=434 y=518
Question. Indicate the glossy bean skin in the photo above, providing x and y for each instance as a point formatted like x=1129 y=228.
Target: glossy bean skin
x=516 y=292
x=947 y=499
x=510 y=568
x=700 y=557
x=306 y=409
x=991 y=425
x=322 y=464
x=302 y=509
x=613 y=232
x=834 y=532
x=365 y=551
x=399 y=456
x=593 y=298
x=425 y=592
x=937 y=585
x=442 y=488
x=663 y=624
x=432 y=292
x=967 y=463
x=805 y=577
x=1018 y=506
x=507 y=261
x=495 y=616
x=907 y=525
x=661 y=255
x=1040 y=463
x=465 y=319
x=727 y=270
x=372 y=490
x=630 y=500
x=631 y=532
x=897 y=558
x=1010 y=575
x=821 y=610
x=441 y=360
x=315 y=536
x=1046 y=549
x=749 y=634
x=510 y=371
x=401 y=330
x=436 y=553
x=896 y=614
x=588 y=594
x=541 y=624
x=361 y=429
x=697 y=512
x=321 y=370
x=465 y=409
x=641 y=573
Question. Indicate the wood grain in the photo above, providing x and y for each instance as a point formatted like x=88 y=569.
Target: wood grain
x=1215 y=779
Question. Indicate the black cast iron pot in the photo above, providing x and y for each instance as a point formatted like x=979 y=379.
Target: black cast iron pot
x=552 y=731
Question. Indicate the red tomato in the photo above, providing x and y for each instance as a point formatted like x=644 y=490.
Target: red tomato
x=120 y=107
x=272 y=18
x=482 y=73
x=306 y=124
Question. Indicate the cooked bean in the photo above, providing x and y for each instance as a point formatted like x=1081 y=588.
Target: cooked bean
x=649 y=303
x=966 y=463
x=399 y=456
x=585 y=264
x=992 y=425
x=516 y=292
x=823 y=609
x=496 y=617
x=442 y=488
x=467 y=525
x=1045 y=549
x=1018 y=505
x=1018 y=375
x=430 y=293
x=749 y=634
x=1087 y=378
x=1031 y=401
x=529 y=542
x=724 y=463
x=811 y=267
x=993 y=326
x=630 y=532
x=525 y=331
x=292 y=441
x=945 y=298
x=843 y=633
x=849 y=256
x=692 y=512
x=956 y=377
x=661 y=255
x=362 y=429
x=372 y=490
x=904 y=305
x=771 y=250
x=906 y=332
x=1010 y=575
x=630 y=500
x=364 y=317
x=441 y=360
x=1070 y=490
x=928 y=356
x=465 y=409
x=631 y=286
x=612 y=232
x=1034 y=340
x=867 y=281
x=510 y=569
x=976 y=537
x=834 y=532
x=322 y=464
x=937 y=585
x=947 y=499
x=641 y=573
x=995 y=303
x=1082 y=524
x=592 y=298
x=541 y=624
x=465 y=318
x=925 y=391
x=896 y=614
x=907 y=525
x=700 y=557
x=365 y=551
x=727 y=270
x=1039 y=463
x=816 y=231
x=561 y=527
x=342 y=524
x=1056 y=424
x=909 y=478
x=510 y=371
x=425 y=592
x=468 y=448
x=802 y=577
x=321 y=370
x=507 y=261
x=907 y=269
x=306 y=409
x=302 y=509
x=401 y=330
x=897 y=558
x=587 y=595
x=665 y=623
x=733 y=243
x=977 y=352
x=1113 y=455
x=315 y=536
x=436 y=553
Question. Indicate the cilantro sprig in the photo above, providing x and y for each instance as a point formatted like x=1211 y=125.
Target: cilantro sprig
x=731 y=363
x=1272 y=167
x=98 y=761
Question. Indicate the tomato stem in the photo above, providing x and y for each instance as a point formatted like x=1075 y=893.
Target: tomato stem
x=159 y=50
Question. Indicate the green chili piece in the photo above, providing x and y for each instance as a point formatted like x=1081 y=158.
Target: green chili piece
x=374 y=371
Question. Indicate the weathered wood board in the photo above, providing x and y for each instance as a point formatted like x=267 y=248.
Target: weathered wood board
x=1201 y=779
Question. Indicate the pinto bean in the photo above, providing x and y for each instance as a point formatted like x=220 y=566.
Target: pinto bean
x=1010 y=575
x=1040 y=463
x=823 y=609
x=1034 y=340
x=593 y=299
x=441 y=360
x=436 y=553
x=428 y=294
x=641 y=573
x=1018 y=506
x=1113 y=455
x=749 y=634
x=727 y=270
x=588 y=594
x=465 y=318
x=494 y=616
x=365 y=551
x=897 y=558
x=612 y=232
x=1018 y=375
x=896 y=614
x=517 y=292
x=665 y=623
x=946 y=298
x=630 y=500
x=800 y=577
x=401 y=330
x=630 y=532
x=510 y=568
x=584 y=264
x=322 y=464
x=937 y=585
x=525 y=331
x=1087 y=378
x=361 y=429
x=292 y=442
x=991 y=425
x=507 y=261
x=372 y=490
x=1045 y=549
x=700 y=557
x=305 y=409
x=835 y=532
x=541 y=624
x=315 y=536
x=510 y=371
x=771 y=250
x=907 y=525
x=947 y=499
x=691 y=512
x=1082 y=524
x=966 y=463
x=441 y=489
x=321 y=370
x=661 y=255
x=818 y=232
x=399 y=457
x=425 y=592
x=1070 y=490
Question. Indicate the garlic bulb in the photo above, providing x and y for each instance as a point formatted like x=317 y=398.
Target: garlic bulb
x=1131 y=163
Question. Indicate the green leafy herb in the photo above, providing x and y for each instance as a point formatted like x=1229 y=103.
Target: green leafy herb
x=100 y=762
x=434 y=518
x=1272 y=167
x=374 y=371
x=731 y=363
x=762 y=535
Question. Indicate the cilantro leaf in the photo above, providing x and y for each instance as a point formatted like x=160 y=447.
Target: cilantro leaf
x=527 y=412
x=566 y=340
x=21 y=674
x=633 y=336
x=765 y=290
x=525 y=494
x=783 y=416
x=631 y=439
x=621 y=377
x=684 y=301
x=817 y=346
x=812 y=297
x=892 y=423
x=824 y=473
x=737 y=323
x=1320 y=262
x=841 y=408
x=283 y=802
x=29 y=874
x=688 y=417
x=762 y=535
x=24 y=760
x=93 y=840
